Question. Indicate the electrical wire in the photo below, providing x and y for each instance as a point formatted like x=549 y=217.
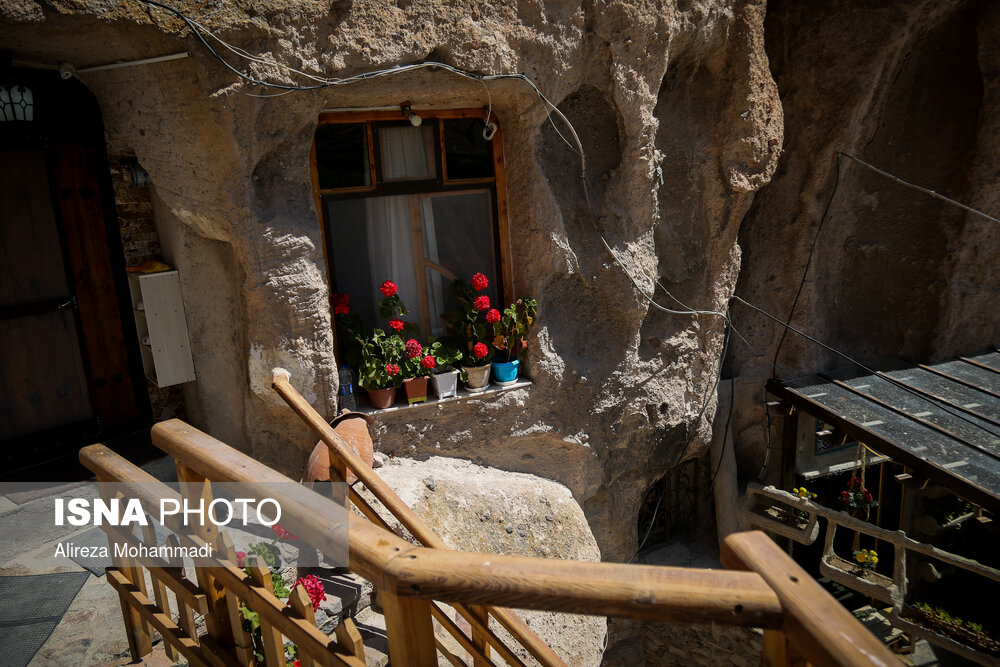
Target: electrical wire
x=871 y=371
x=805 y=271
x=918 y=187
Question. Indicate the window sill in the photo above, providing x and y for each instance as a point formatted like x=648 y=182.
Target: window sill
x=463 y=395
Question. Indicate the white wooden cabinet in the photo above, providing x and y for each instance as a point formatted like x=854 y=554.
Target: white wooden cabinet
x=162 y=328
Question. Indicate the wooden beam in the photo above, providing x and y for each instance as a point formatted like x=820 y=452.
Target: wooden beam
x=818 y=626
x=409 y=630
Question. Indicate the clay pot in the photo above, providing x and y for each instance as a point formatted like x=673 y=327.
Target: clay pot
x=478 y=377
x=353 y=428
x=382 y=398
x=415 y=390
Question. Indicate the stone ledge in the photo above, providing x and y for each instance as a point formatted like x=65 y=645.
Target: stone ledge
x=463 y=395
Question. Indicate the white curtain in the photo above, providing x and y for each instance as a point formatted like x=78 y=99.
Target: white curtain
x=405 y=154
x=435 y=281
x=390 y=249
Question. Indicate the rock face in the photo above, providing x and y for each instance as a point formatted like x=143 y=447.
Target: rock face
x=482 y=509
x=893 y=272
x=680 y=122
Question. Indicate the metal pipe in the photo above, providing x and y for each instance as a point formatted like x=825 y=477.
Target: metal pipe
x=131 y=63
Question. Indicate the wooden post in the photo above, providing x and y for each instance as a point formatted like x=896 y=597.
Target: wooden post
x=722 y=458
x=184 y=612
x=349 y=639
x=159 y=588
x=816 y=625
x=137 y=630
x=301 y=604
x=274 y=648
x=479 y=638
x=242 y=641
x=195 y=488
x=409 y=630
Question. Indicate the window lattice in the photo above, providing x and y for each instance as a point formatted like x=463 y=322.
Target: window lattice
x=16 y=103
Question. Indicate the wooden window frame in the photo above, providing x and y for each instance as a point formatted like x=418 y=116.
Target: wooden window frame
x=439 y=185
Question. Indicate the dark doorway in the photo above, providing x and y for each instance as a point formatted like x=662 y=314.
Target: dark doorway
x=68 y=371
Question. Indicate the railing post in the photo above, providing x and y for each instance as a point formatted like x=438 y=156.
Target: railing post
x=479 y=638
x=409 y=630
x=195 y=488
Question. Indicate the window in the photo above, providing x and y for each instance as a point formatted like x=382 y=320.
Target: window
x=419 y=205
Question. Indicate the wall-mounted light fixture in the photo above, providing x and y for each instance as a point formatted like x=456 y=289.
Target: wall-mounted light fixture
x=410 y=115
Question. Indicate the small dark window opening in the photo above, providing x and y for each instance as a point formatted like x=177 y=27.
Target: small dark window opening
x=668 y=508
x=467 y=154
x=342 y=156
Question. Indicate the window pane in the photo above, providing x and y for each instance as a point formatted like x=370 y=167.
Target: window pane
x=407 y=153
x=458 y=236
x=466 y=153
x=342 y=156
x=373 y=242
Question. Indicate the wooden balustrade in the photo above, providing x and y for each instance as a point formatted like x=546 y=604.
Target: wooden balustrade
x=411 y=578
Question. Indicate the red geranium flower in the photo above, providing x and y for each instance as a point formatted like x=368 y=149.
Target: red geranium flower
x=480 y=350
x=396 y=324
x=241 y=558
x=868 y=496
x=391 y=369
x=482 y=302
x=341 y=303
x=493 y=316
x=388 y=288
x=314 y=587
x=413 y=348
x=284 y=534
x=480 y=282
x=428 y=362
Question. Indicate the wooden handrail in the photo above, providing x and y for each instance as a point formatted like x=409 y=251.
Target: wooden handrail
x=340 y=451
x=390 y=563
x=815 y=624
x=776 y=594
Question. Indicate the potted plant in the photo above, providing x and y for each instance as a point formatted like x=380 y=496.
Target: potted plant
x=416 y=367
x=444 y=376
x=858 y=500
x=509 y=330
x=380 y=371
x=470 y=329
x=379 y=355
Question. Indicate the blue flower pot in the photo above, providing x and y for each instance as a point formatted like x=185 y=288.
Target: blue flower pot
x=505 y=371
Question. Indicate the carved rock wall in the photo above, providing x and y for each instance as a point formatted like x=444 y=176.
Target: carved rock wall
x=909 y=86
x=680 y=121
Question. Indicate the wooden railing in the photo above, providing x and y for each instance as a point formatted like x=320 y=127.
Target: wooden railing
x=800 y=618
x=892 y=589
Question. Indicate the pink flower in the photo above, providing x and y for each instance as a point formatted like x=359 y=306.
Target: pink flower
x=480 y=350
x=314 y=588
x=480 y=282
x=388 y=288
x=396 y=324
x=284 y=534
x=493 y=316
x=428 y=362
x=241 y=558
x=482 y=302
x=391 y=369
x=413 y=348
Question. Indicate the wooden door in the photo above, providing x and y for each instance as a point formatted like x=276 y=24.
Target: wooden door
x=43 y=382
x=63 y=356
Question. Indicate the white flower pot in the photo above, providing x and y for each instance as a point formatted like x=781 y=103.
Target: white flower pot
x=445 y=384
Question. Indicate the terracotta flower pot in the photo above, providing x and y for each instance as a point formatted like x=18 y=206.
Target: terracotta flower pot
x=478 y=377
x=415 y=390
x=445 y=383
x=382 y=398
